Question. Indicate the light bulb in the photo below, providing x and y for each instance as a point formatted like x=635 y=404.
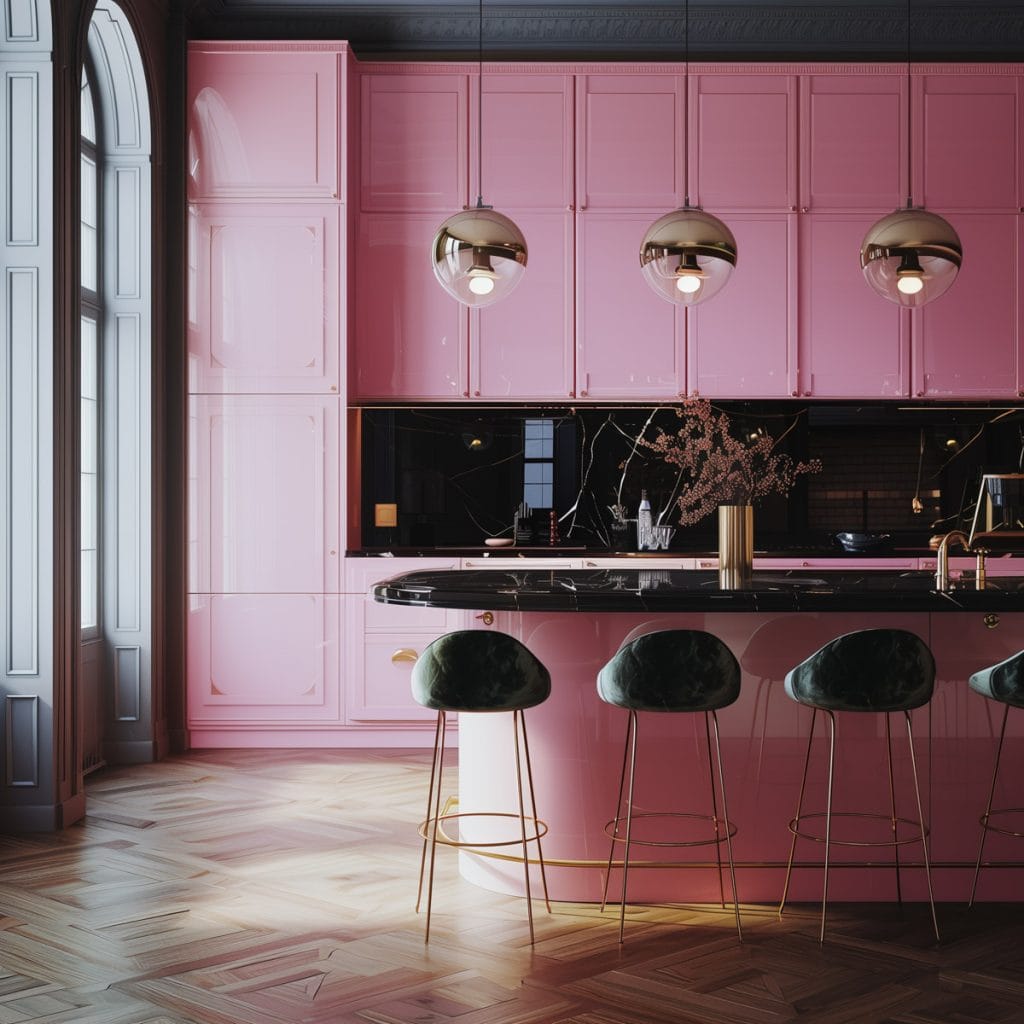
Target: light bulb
x=909 y=284
x=481 y=284
x=688 y=283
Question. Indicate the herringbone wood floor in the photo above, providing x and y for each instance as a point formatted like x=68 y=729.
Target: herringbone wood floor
x=261 y=887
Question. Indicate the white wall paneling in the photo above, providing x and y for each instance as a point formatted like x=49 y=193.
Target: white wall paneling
x=21 y=738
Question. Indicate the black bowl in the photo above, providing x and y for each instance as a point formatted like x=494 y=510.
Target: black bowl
x=864 y=543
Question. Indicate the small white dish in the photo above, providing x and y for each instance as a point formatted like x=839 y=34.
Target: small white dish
x=498 y=542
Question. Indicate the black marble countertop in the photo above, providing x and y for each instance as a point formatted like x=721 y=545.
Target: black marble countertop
x=478 y=551
x=678 y=590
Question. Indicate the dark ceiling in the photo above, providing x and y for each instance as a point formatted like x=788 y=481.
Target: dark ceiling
x=940 y=30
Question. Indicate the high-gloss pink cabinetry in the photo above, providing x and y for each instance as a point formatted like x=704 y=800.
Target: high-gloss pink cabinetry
x=967 y=343
x=853 y=344
x=968 y=126
x=384 y=641
x=265 y=119
x=853 y=140
x=411 y=337
x=629 y=140
x=264 y=303
x=745 y=345
x=630 y=343
x=743 y=135
x=414 y=141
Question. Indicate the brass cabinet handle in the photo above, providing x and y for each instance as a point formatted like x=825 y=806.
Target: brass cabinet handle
x=487 y=618
x=404 y=654
x=991 y=620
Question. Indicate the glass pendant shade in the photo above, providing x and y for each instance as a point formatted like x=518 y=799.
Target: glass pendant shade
x=479 y=256
x=687 y=256
x=911 y=257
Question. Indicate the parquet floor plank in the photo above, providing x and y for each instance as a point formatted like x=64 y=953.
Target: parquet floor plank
x=277 y=887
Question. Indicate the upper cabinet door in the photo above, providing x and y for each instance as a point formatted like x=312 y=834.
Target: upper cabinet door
x=853 y=141
x=743 y=141
x=263 y=304
x=853 y=343
x=525 y=141
x=742 y=342
x=264 y=120
x=521 y=348
x=629 y=341
x=629 y=141
x=410 y=336
x=967 y=140
x=967 y=343
x=414 y=141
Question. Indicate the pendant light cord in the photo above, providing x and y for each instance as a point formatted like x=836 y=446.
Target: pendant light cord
x=910 y=133
x=480 y=106
x=686 y=104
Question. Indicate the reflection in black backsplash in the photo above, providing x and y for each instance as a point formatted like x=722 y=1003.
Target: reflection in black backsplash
x=460 y=475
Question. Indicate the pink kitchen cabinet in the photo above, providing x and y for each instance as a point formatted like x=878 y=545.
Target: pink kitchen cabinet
x=410 y=337
x=265 y=119
x=742 y=343
x=414 y=140
x=967 y=343
x=264 y=298
x=853 y=139
x=852 y=344
x=522 y=347
x=743 y=140
x=265 y=473
x=263 y=660
x=629 y=141
x=526 y=144
x=630 y=343
x=968 y=126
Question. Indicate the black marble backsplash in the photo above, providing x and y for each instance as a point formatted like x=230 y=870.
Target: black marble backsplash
x=458 y=475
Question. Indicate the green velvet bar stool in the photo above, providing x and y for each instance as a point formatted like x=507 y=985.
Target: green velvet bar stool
x=670 y=671
x=869 y=671
x=1003 y=683
x=476 y=670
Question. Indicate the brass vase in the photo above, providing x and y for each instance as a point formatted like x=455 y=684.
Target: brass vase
x=735 y=546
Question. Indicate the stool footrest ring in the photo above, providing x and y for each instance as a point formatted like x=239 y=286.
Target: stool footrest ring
x=986 y=821
x=815 y=837
x=539 y=830
x=726 y=829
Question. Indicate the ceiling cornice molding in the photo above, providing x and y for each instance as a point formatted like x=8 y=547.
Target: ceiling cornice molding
x=940 y=29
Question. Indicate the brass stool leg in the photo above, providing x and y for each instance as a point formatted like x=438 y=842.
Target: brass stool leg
x=439 y=746
x=892 y=801
x=618 y=814
x=828 y=816
x=988 y=806
x=799 y=807
x=924 y=831
x=430 y=800
x=533 y=805
x=629 y=827
x=714 y=808
x=728 y=833
x=522 y=821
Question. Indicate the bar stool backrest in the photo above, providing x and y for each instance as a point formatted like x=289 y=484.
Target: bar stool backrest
x=867 y=670
x=479 y=670
x=671 y=670
x=1003 y=682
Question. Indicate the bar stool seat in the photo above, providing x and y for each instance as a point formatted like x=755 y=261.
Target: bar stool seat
x=867 y=671
x=476 y=670
x=1004 y=683
x=672 y=670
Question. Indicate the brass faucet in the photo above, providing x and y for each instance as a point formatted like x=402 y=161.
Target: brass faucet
x=942 y=566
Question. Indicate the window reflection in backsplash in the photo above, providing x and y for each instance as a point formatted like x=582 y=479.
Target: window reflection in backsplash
x=458 y=475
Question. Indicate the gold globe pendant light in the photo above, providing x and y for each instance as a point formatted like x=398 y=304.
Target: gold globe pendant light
x=479 y=255
x=911 y=256
x=688 y=255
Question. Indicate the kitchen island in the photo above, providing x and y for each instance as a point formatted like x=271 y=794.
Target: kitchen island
x=575 y=620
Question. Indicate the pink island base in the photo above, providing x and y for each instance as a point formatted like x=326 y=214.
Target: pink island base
x=577 y=742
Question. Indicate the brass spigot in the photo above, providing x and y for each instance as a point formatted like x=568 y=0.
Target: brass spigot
x=942 y=566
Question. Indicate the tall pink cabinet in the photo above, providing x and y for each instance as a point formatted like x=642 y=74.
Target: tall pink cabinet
x=266 y=374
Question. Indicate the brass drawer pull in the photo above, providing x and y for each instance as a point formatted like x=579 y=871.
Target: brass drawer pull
x=404 y=654
x=487 y=618
x=991 y=620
